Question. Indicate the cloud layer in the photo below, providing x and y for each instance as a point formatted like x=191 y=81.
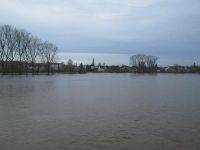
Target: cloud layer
x=160 y=27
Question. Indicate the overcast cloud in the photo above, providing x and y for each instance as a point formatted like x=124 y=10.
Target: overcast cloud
x=167 y=28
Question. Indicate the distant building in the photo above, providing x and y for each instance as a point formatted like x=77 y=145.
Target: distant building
x=93 y=63
x=57 y=66
x=101 y=69
x=93 y=67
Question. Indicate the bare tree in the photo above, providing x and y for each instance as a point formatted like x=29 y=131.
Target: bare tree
x=99 y=64
x=20 y=39
x=2 y=46
x=7 y=44
x=26 y=42
x=34 y=51
x=139 y=61
x=151 y=62
x=70 y=66
x=12 y=47
x=81 y=68
x=144 y=63
x=19 y=50
x=49 y=54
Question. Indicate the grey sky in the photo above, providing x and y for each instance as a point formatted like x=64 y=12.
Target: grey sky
x=167 y=28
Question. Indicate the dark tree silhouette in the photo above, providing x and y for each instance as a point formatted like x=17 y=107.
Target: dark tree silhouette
x=144 y=63
x=20 y=51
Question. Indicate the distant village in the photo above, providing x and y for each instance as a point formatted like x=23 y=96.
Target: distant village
x=71 y=67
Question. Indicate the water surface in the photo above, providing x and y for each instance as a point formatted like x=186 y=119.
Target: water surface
x=100 y=111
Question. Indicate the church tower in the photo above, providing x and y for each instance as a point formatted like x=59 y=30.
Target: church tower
x=93 y=63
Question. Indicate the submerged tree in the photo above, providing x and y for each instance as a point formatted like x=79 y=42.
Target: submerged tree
x=144 y=63
x=48 y=53
x=19 y=50
x=151 y=62
x=7 y=42
x=81 y=68
x=70 y=67
x=34 y=51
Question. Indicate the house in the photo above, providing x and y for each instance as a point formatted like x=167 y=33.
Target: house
x=101 y=69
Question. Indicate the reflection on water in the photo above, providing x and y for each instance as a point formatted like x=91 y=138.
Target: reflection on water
x=100 y=111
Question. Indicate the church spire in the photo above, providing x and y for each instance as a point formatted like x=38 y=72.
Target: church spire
x=93 y=63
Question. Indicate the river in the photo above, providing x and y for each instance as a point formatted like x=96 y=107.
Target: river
x=100 y=111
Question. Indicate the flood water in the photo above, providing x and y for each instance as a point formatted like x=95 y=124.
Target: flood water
x=100 y=112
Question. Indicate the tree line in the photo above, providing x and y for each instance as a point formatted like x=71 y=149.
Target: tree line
x=144 y=63
x=22 y=52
